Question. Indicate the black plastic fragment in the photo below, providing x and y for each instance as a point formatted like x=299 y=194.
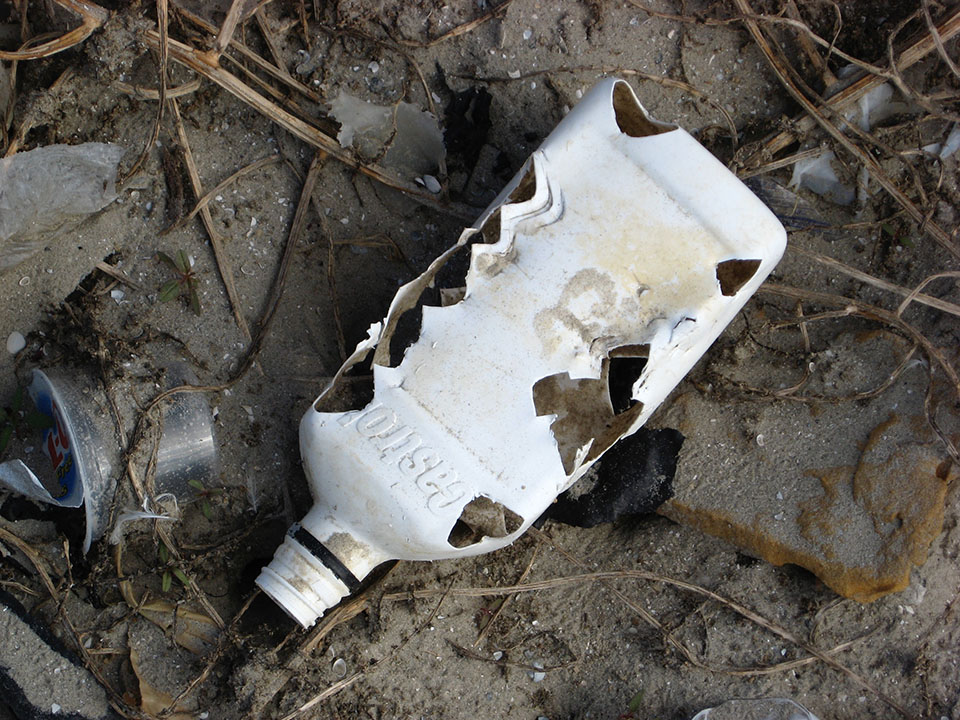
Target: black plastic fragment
x=634 y=477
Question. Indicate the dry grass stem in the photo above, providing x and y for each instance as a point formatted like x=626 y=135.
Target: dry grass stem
x=459 y=30
x=205 y=200
x=117 y=275
x=19 y=587
x=344 y=612
x=937 y=39
x=915 y=293
x=809 y=49
x=92 y=15
x=870 y=312
x=749 y=172
x=606 y=577
x=847 y=97
x=227 y=29
x=506 y=601
x=306 y=132
x=781 y=69
x=216 y=242
x=162 y=24
x=248 y=54
x=348 y=681
x=263 y=25
x=876 y=282
x=613 y=69
x=297 y=229
x=145 y=93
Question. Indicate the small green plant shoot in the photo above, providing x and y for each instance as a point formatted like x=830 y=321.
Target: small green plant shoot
x=184 y=284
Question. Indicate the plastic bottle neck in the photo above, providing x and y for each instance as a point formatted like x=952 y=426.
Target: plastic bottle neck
x=317 y=565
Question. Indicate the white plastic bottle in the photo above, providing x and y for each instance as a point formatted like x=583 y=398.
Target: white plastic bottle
x=621 y=239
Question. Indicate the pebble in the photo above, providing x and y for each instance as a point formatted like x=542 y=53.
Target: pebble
x=431 y=184
x=15 y=342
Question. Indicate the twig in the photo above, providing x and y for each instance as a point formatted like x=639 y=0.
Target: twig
x=219 y=253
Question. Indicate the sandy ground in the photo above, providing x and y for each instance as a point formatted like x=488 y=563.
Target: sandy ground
x=581 y=647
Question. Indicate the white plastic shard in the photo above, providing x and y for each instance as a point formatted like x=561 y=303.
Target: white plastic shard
x=597 y=278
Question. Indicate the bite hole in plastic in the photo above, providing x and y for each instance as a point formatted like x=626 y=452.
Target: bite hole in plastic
x=527 y=187
x=623 y=372
x=480 y=518
x=734 y=274
x=592 y=409
x=490 y=230
x=631 y=118
x=352 y=391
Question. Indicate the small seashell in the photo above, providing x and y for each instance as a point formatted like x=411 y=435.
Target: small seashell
x=15 y=342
